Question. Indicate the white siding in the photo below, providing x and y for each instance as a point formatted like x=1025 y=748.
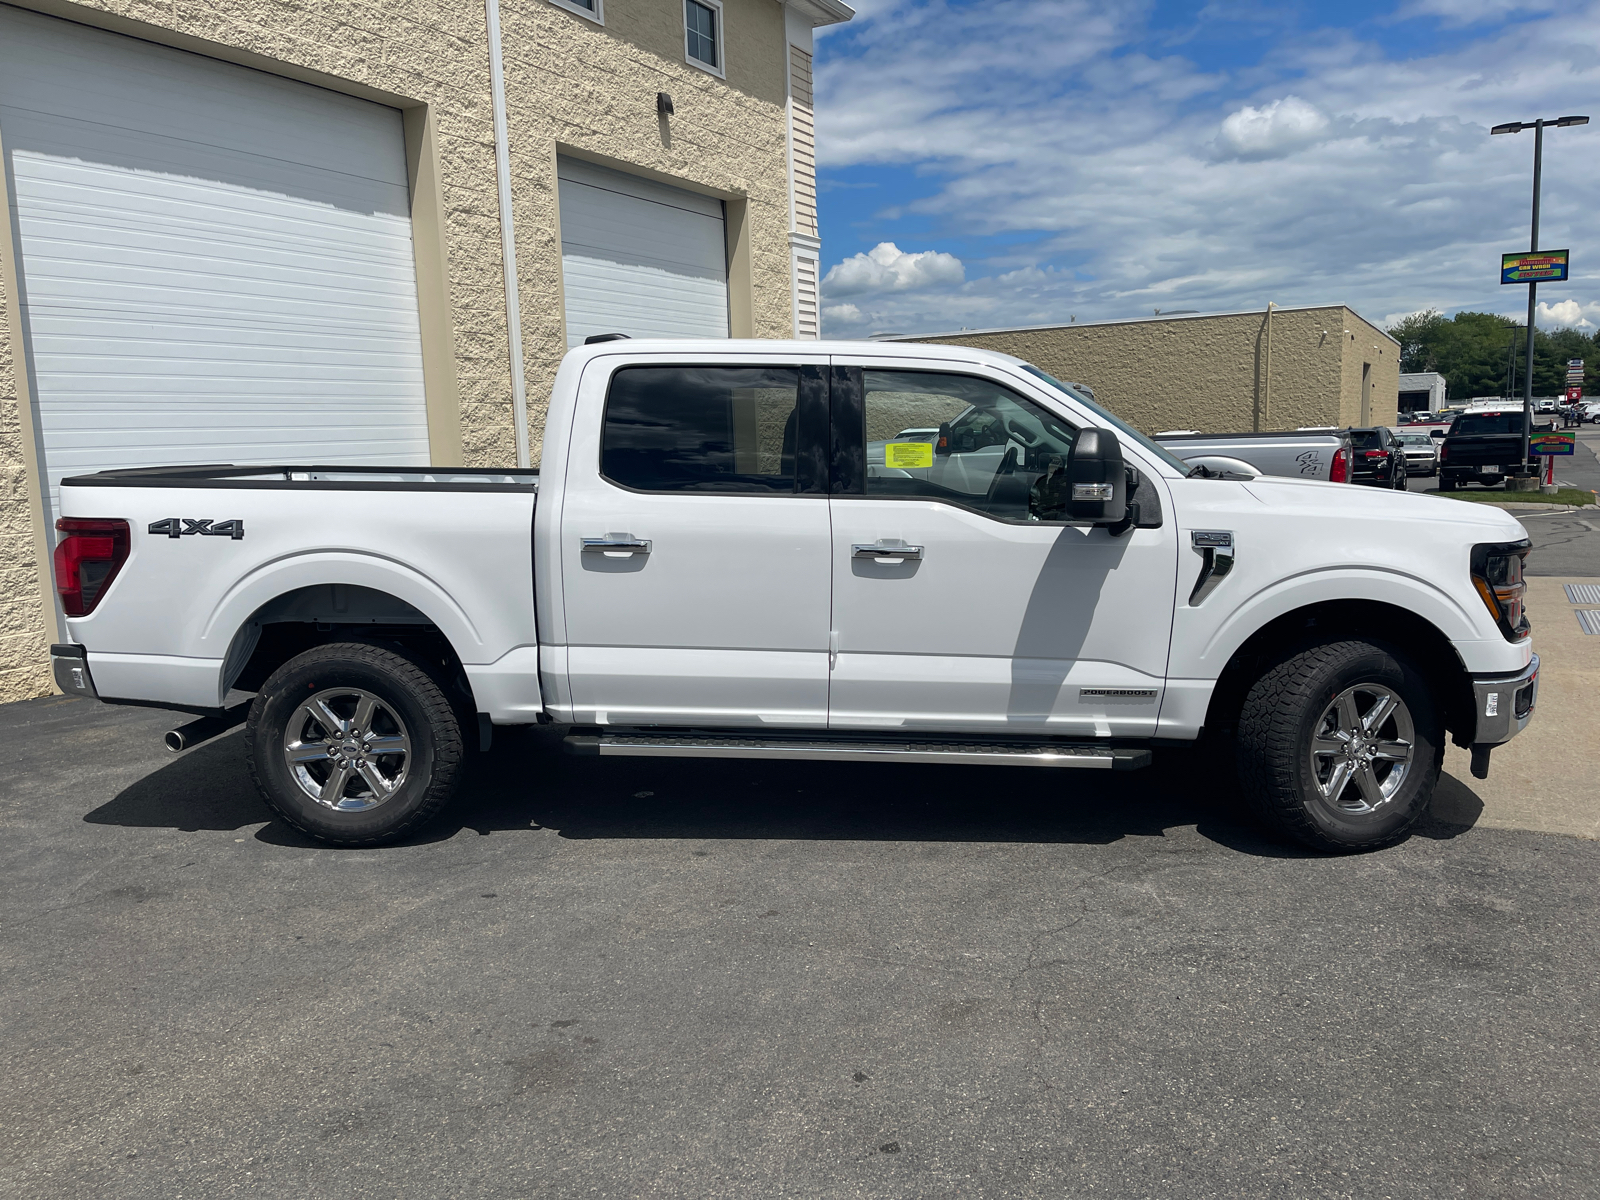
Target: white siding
x=216 y=262
x=640 y=257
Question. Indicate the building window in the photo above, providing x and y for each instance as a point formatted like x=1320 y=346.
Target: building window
x=702 y=34
x=593 y=9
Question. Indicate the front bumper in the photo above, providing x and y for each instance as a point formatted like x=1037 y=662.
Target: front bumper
x=1504 y=704
x=70 y=665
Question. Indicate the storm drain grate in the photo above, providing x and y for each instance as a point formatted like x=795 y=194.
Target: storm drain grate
x=1583 y=593
x=1589 y=619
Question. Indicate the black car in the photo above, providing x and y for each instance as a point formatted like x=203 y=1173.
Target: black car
x=1376 y=458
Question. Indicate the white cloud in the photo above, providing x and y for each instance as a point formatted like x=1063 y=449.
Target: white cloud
x=1567 y=314
x=887 y=268
x=1472 y=12
x=1272 y=130
x=842 y=314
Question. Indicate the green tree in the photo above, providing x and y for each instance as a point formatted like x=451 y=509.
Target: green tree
x=1474 y=351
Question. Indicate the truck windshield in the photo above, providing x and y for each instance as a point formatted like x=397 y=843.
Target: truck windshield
x=1510 y=422
x=1121 y=426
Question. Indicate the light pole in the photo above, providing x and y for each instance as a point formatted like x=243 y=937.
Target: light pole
x=1533 y=248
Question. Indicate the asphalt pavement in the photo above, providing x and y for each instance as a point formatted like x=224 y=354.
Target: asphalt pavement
x=716 y=979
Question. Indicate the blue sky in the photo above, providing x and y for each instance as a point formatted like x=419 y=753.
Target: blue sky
x=1030 y=161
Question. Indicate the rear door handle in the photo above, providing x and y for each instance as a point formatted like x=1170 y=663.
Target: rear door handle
x=884 y=550
x=617 y=543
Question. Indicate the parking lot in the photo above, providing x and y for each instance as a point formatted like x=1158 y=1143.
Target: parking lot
x=681 y=978
x=627 y=978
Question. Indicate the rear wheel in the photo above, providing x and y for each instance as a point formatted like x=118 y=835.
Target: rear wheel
x=354 y=745
x=1340 y=745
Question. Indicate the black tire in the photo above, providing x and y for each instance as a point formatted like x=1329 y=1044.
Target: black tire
x=1449 y=482
x=407 y=707
x=1284 y=780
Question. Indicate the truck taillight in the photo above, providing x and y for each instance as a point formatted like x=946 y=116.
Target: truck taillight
x=88 y=556
x=1339 y=468
x=1377 y=453
x=1444 y=451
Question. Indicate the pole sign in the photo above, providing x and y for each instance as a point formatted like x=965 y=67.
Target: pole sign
x=1574 y=394
x=1552 y=443
x=1542 y=266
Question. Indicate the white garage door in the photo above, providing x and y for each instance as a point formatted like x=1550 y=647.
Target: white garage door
x=639 y=257
x=216 y=262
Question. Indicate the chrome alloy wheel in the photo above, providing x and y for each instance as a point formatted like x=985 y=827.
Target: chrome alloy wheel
x=347 y=749
x=1362 y=747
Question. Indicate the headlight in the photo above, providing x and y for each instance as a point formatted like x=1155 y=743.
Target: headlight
x=1497 y=574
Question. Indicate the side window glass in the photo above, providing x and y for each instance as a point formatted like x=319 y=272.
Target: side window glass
x=701 y=429
x=967 y=441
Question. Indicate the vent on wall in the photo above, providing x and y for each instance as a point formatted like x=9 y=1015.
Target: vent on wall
x=806 y=324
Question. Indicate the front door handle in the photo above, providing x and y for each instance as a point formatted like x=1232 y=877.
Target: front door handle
x=884 y=550
x=617 y=543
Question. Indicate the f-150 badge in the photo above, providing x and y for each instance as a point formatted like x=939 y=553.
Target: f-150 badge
x=176 y=527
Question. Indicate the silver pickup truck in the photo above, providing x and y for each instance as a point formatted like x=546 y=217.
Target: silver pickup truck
x=1301 y=454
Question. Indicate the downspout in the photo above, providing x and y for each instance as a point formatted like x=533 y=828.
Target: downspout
x=508 y=233
x=1266 y=383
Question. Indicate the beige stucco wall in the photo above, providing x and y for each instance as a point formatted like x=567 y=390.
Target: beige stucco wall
x=1364 y=342
x=1210 y=372
x=571 y=86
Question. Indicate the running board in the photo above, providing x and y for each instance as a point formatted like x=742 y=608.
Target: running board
x=985 y=754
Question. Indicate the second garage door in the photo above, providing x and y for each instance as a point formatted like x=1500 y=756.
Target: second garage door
x=639 y=257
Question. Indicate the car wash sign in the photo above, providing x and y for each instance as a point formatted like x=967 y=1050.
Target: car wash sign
x=1552 y=443
x=1538 y=266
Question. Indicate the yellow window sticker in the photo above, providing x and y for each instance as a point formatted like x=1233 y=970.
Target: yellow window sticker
x=908 y=454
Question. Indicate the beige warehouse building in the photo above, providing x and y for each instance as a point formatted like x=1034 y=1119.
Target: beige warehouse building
x=1218 y=372
x=240 y=231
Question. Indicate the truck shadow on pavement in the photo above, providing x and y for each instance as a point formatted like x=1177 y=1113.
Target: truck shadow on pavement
x=527 y=783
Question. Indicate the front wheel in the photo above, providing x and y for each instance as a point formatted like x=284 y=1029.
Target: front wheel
x=1340 y=745
x=354 y=745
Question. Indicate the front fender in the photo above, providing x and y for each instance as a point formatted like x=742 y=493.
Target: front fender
x=1204 y=642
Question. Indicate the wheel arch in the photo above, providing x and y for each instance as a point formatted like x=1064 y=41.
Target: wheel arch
x=312 y=615
x=1407 y=633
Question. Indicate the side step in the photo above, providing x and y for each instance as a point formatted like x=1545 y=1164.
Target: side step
x=1088 y=755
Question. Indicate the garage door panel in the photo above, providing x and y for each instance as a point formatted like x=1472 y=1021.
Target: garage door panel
x=112 y=86
x=216 y=263
x=640 y=257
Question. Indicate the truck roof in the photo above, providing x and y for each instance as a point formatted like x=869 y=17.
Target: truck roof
x=860 y=348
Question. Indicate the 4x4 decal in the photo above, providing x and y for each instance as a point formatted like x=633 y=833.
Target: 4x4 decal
x=176 y=527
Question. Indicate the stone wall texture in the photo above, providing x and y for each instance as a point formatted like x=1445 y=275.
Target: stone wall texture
x=571 y=86
x=1209 y=373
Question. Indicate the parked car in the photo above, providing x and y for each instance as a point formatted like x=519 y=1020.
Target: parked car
x=1375 y=458
x=1299 y=454
x=1483 y=445
x=705 y=566
x=1421 y=453
x=1589 y=411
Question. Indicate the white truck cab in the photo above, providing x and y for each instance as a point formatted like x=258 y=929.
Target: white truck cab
x=849 y=551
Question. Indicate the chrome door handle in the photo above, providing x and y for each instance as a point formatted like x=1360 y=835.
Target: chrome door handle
x=884 y=550
x=614 y=543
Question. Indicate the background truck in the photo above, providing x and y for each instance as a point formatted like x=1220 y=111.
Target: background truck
x=1298 y=454
x=754 y=550
x=1482 y=446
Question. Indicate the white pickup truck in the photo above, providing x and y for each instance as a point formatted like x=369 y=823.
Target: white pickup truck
x=838 y=551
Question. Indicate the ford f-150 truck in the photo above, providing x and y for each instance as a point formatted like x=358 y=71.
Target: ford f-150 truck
x=805 y=550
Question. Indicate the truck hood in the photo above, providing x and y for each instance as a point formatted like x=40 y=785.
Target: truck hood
x=1310 y=496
